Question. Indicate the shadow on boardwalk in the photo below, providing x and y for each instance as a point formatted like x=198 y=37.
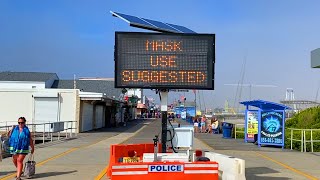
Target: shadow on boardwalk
x=6 y=173
x=253 y=173
x=137 y=122
x=49 y=174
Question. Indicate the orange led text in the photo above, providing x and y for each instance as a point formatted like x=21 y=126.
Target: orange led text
x=161 y=45
x=163 y=76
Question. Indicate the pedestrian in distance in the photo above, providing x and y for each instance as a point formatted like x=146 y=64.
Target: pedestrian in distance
x=195 y=124
x=203 y=124
x=199 y=124
x=214 y=124
x=172 y=117
x=20 y=140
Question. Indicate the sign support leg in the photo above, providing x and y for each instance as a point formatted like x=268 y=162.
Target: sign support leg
x=164 y=113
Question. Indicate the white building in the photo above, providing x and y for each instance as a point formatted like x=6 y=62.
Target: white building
x=42 y=97
x=142 y=104
x=135 y=92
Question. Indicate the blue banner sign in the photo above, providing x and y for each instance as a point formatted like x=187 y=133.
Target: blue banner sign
x=271 y=128
x=190 y=111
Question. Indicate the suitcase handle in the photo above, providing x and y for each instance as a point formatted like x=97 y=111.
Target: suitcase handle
x=31 y=158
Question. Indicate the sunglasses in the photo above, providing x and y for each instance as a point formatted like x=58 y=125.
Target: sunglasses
x=21 y=122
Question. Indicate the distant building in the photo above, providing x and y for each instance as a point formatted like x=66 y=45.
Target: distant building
x=142 y=103
x=27 y=80
x=43 y=97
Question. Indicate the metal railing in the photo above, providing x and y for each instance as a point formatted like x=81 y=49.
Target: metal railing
x=303 y=139
x=45 y=131
x=236 y=131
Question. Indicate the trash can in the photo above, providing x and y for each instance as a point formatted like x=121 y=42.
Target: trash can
x=227 y=130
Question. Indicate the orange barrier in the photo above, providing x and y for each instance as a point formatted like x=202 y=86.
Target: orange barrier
x=164 y=170
x=121 y=150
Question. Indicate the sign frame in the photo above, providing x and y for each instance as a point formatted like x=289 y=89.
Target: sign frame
x=260 y=124
x=246 y=138
x=210 y=62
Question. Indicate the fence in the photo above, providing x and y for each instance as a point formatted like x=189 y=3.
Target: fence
x=303 y=141
x=44 y=131
x=302 y=138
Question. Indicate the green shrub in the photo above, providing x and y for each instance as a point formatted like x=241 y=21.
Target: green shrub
x=240 y=133
x=315 y=126
x=307 y=119
x=297 y=145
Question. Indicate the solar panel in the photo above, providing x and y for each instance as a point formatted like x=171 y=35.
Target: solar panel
x=181 y=28
x=132 y=20
x=162 y=26
x=151 y=24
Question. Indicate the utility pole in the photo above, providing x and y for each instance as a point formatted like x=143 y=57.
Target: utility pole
x=195 y=102
x=164 y=114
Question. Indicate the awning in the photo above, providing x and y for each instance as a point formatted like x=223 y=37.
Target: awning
x=91 y=96
x=141 y=106
x=265 y=105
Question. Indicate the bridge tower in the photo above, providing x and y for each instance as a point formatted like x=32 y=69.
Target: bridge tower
x=289 y=94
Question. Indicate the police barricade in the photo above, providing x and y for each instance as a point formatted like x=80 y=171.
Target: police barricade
x=232 y=168
x=165 y=170
x=118 y=152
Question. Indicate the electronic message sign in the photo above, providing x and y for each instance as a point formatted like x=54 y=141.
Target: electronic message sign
x=164 y=61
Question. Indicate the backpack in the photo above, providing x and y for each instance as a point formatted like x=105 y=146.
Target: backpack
x=5 y=140
x=5 y=143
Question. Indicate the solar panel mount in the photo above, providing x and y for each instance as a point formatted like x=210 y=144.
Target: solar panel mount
x=149 y=24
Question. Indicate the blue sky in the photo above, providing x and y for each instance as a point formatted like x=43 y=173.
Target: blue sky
x=77 y=37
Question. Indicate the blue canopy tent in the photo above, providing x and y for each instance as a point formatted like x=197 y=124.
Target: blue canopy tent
x=266 y=122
